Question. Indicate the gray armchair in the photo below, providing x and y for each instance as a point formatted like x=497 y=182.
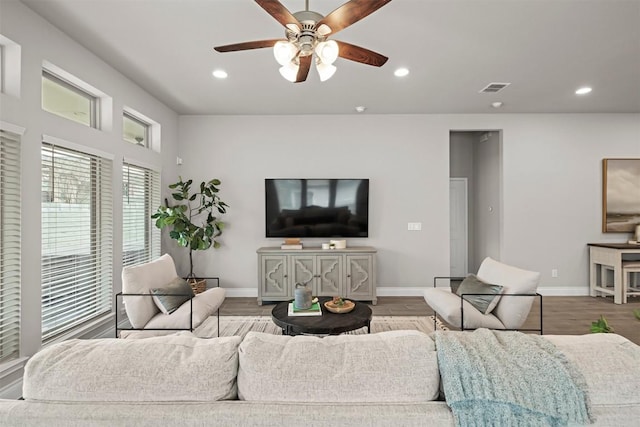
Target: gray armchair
x=511 y=311
x=142 y=310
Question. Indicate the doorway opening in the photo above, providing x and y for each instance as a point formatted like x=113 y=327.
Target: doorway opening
x=475 y=183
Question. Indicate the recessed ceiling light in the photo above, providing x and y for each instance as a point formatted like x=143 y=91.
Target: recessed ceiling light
x=583 y=90
x=401 y=72
x=219 y=74
x=361 y=108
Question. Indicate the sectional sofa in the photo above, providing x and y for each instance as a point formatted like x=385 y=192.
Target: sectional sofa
x=384 y=379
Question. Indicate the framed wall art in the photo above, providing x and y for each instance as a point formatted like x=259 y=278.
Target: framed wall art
x=620 y=195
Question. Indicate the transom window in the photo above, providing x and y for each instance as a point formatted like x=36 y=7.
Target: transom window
x=77 y=238
x=67 y=100
x=135 y=130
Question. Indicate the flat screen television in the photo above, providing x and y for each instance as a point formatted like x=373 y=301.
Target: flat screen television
x=317 y=207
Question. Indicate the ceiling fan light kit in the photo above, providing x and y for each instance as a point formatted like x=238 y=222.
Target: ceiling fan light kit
x=306 y=33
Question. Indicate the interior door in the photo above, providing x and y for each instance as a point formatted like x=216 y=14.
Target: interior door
x=458 y=223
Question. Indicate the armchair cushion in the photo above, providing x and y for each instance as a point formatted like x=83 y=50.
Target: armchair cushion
x=173 y=295
x=139 y=279
x=511 y=310
x=484 y=303
x=204 y=305
x=447 y=305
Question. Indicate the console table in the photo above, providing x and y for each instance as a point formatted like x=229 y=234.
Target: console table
x=610 y=255
x=349 y=272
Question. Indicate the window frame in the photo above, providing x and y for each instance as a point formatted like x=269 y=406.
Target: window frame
x=97 y=269
x=152 y=195
x=94 y=101
x=10 y=244
x=147 y=128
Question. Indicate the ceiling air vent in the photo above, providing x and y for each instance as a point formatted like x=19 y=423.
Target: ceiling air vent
x=494 y=87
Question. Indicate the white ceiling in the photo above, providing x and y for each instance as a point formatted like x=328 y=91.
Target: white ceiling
x=546 y=49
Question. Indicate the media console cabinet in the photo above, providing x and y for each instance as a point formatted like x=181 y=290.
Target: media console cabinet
x=349 y=273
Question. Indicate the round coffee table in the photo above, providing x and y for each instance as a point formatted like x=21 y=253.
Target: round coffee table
x=327 y=324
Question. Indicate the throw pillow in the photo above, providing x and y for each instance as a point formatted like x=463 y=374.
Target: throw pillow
x=455 y=284
x=484 y=303
x=172 y=295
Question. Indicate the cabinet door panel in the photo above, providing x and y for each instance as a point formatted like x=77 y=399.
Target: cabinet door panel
x=302 y=269
x=275 y=280
x=329 y=278
x=359 y=276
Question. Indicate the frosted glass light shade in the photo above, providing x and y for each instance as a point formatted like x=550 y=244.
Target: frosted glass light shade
x=289 y=71
x=327 y=51
x=325 y=71
x=284 y=52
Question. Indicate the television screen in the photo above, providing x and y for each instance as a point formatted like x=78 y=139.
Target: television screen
x=317 y=207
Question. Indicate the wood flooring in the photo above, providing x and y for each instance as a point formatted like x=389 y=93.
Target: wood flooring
x=561 y=315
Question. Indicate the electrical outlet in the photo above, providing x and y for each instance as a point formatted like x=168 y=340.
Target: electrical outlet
x=414 y=226
x=554 y=272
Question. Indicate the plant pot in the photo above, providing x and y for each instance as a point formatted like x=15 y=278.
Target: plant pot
x=198 y=286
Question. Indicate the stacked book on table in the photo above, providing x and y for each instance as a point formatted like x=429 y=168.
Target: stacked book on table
x=293 y=243
x=315 y=310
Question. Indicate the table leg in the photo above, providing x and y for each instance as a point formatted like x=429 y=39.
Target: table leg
x=593 y=275
x=617 y=279
x=369 y=327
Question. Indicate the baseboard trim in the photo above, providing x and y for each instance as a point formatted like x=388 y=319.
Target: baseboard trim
x=241 y=292
x=564 y=291
x=400 y=291
x=418 y=291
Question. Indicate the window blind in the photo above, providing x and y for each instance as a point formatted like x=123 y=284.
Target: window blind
x=9 y=245
x=140 y=198
x=77 y=238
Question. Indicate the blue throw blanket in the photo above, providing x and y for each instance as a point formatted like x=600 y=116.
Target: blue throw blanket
x=504 y=378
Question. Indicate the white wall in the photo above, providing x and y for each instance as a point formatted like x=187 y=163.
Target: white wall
x=41 y=41
x=551 y=177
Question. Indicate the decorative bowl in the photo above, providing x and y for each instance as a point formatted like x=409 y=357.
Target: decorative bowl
x=340 y=309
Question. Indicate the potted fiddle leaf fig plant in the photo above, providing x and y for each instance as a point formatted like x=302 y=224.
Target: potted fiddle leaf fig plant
x=193 y=218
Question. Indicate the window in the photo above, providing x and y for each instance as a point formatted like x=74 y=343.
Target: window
x=135 y=130
x=140 y=198
x=77 y=238
x=9 y=245
x=2 y=71
x=67 y=100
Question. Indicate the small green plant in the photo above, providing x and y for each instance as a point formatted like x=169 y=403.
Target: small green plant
x=601 y=326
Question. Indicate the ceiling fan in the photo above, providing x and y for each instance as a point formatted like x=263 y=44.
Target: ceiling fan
x=307 y=32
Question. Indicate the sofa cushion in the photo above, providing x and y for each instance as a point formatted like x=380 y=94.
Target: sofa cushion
x=171 y=296
x=447 y=305
x=159 y=369
x=138 y=279
x=484 y=303
x=511 y=310
x=396 y=366
x=609 y=363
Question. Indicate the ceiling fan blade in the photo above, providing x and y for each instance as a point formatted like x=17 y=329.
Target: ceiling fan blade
x=258 y=44
x=279 y=12
x=359 y=54
x=303 y=71
x=350 y=13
